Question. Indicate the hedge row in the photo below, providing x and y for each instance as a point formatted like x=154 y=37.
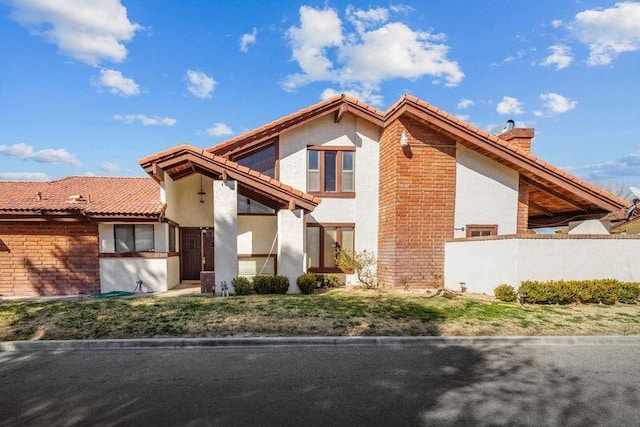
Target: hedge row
x=604 y=291
x=307 y=283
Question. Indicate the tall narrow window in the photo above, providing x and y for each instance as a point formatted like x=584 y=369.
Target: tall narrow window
x=313 y=247
x=347 y=171
x=330 y=246
x=172 y=238
x=313 y=169
x=262 y=160
x=331 y=171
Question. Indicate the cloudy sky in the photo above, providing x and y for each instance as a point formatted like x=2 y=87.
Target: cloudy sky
x=91 y=87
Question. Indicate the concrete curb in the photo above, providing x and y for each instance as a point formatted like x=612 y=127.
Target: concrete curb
x=108 y=344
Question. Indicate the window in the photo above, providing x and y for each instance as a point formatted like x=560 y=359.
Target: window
x=172 y=238
x=330 y=171
x=248 y=206
x=133 y=238
x=262 y=160
x=481 y=230
x=323 y=243
x=252 y=265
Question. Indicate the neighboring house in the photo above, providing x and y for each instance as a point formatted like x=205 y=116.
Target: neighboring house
x=438 y=200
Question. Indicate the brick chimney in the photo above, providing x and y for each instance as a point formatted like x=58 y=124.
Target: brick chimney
x=520 y=136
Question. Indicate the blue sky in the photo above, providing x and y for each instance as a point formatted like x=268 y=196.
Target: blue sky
x=91 y=87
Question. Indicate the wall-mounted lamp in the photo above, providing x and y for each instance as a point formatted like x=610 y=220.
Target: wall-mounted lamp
x=459 y=229
x=404 y=139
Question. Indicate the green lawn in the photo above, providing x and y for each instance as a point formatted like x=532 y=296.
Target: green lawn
x=346 y=312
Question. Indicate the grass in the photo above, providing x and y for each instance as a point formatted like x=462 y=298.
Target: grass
x=344 y=312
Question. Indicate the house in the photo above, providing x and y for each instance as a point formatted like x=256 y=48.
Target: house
x=438 y=200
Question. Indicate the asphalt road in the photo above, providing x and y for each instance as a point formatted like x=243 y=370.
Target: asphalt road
x=426 y=384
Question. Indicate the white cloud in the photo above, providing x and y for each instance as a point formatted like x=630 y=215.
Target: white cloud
x=219 y=129
x=560 y=57
x=247 y=40
x=538 y=113
x=509 y=105
x=557 y=104
x=49 y=155
x=90 y=31
x=367 y=95
x=464 y=117
x=24 y=176
x=608 y=32
x=117 y=83
x=200 y=84
x=364 y=19
x=465 y=103
x=627 y=166
x=401 y=8
x=145 y=120
x=109 y=167
x=360 y=61
x=518 y=55
x=556 y=23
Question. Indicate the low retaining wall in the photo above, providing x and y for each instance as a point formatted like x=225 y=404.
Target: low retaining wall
x=483 y=263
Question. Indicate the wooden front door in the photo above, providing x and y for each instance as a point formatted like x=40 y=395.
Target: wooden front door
x=196 y=252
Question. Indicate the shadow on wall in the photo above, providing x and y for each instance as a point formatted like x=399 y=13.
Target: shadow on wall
x=71 y=267
x=123 y=274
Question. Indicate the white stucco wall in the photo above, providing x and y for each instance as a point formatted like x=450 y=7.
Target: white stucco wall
x=485 y=264
x=183 y=201
x=291 y=256
x=225 y=231
x=121 y=274
x=486 y=193
x=590 y=226
x=256 y=234
x=173 y=271
x=352 y=132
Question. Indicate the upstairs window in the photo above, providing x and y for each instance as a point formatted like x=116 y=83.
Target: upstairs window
x=133 y=238
x=249 y=206
x=331 y=171
x=262 y=160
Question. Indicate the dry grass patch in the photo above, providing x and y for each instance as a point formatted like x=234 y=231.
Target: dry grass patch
x=342 y=312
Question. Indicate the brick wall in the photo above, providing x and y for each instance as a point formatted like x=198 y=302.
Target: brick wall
x=40 y=258
x=416 y=202
x=523 y=207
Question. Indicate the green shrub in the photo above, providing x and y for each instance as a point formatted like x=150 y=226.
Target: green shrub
x=629 y=292
x=242 y=285
x=332 y=281
x=597 y=291
x=280 y=284
x=506 y=293
x=263 y=284
x=307 y=283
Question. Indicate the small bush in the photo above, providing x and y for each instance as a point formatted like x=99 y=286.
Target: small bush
x=307 y=283
x=506 y=293
x=280 y=284
x=242 y=285
x=263 y=284
x=597 y=291
x=332 y=281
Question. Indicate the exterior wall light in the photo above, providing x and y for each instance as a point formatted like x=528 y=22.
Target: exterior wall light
x=404 y=139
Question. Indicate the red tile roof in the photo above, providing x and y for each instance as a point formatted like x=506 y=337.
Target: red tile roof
x=244 y=174
x=101 y=196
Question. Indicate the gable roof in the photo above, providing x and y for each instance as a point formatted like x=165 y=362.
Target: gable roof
x=553 y=193
x=100 y=197
x=185 y=160
x=339 y=105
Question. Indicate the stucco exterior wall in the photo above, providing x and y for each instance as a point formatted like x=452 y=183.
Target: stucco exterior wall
x=121 y=274
x=256 y=234
x=484 y=264
x=183 y=201
x=351 y=132
x=591 y=226
x=225 y=231
x=486 y=193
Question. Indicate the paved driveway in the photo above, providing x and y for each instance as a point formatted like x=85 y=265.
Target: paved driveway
x=425 y=384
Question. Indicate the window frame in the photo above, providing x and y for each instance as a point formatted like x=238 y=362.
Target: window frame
x=339 y=150
x=491 y=228
x=172 y=243
x=338 y=226
x=135 y=249
x=264 y=256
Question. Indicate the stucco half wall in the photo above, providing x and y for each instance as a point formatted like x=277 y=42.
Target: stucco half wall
x=486 y=262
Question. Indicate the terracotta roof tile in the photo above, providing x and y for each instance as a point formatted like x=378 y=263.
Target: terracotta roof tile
x=108 y=196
